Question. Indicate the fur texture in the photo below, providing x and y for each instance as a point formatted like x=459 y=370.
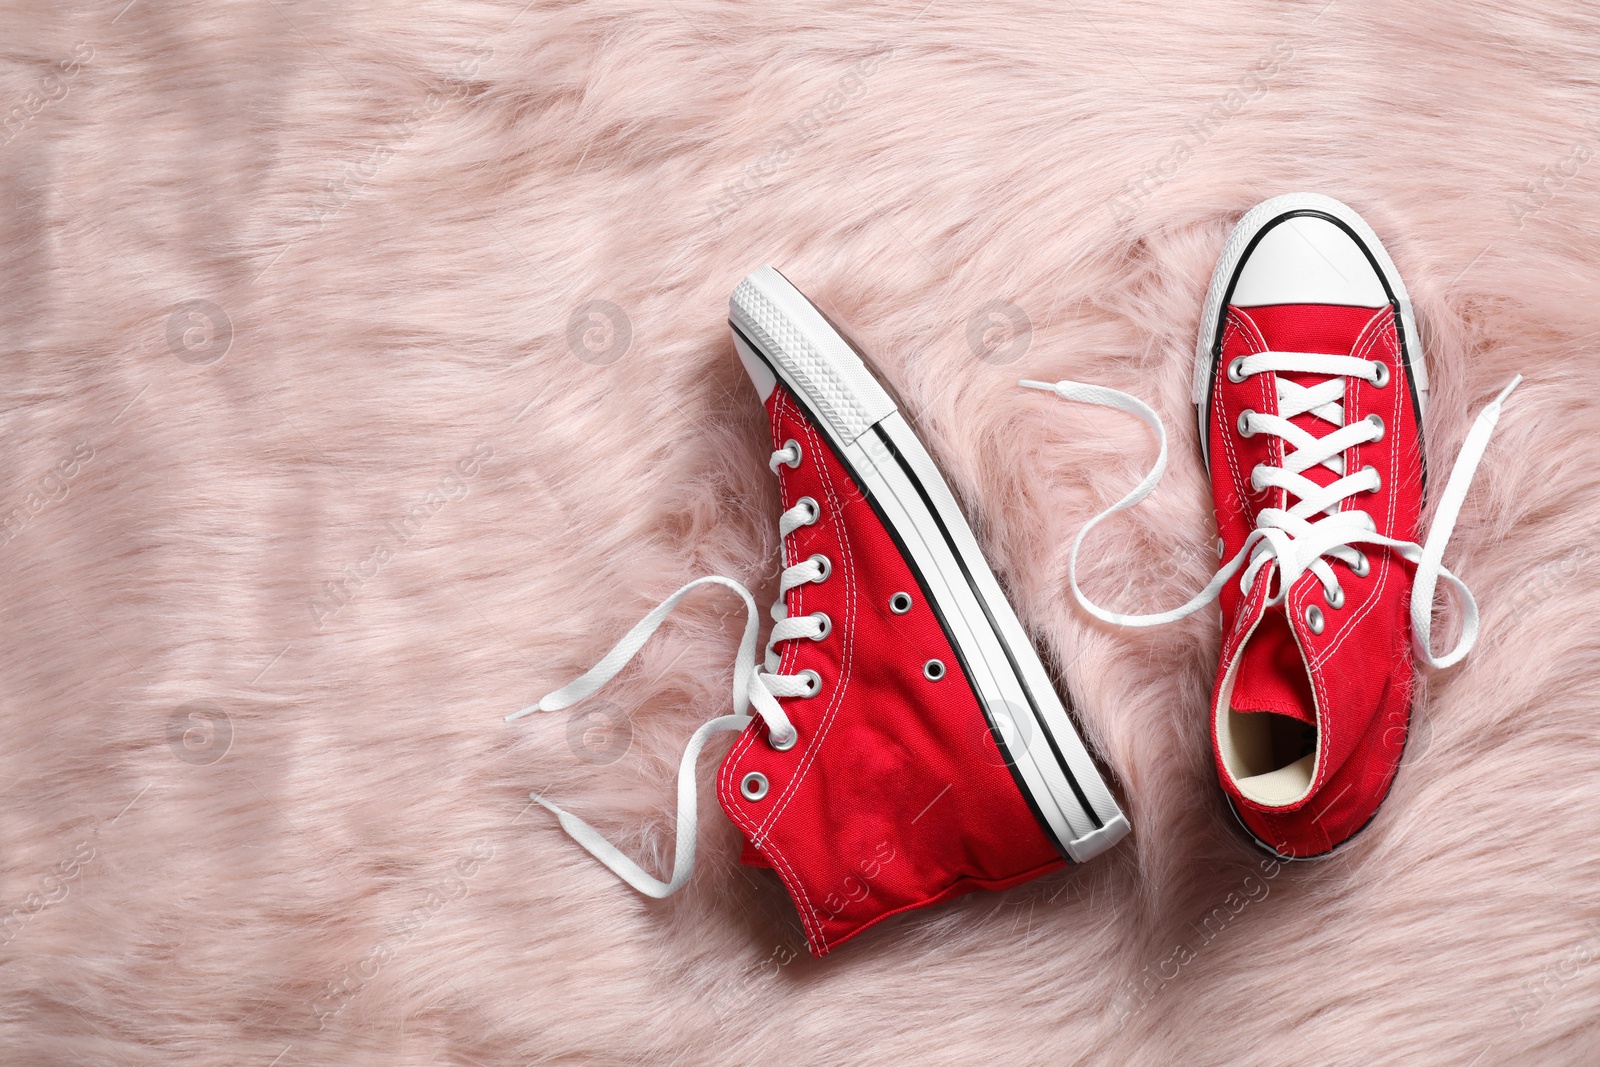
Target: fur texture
x=264 y=612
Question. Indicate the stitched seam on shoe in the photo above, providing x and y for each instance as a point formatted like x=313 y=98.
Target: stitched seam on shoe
x=1394 y=466
x=1228 y=447
x=765 y=825
x=836 y=517
x=785 y=871
x=808 y=917
x=1348 y=626
x=1255 y=343
x=1315 y=666
x=846 y=657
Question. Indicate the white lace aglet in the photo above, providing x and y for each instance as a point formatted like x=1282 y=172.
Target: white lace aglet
x=529 y=710
x=1029 y=383
x=1501 y=399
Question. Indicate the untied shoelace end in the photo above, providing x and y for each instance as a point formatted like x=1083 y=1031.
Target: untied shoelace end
x=1501 y=399
x=529 y=710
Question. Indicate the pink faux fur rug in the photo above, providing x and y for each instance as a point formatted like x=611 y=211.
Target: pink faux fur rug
x=366 y=375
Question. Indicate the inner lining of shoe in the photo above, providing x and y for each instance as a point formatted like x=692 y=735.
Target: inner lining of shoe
x=1267 y=746
x=1272 y=757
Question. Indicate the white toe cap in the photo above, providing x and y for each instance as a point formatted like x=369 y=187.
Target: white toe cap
x=1308 y=260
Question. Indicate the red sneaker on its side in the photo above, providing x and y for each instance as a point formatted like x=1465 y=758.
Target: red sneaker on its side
x=1310 y=388
x=907 y=745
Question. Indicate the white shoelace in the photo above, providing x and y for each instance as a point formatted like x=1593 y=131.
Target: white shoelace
x=1320 y=527
x=753 y=684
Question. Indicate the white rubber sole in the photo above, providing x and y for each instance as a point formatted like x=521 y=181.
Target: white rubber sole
x=777 y=328
x=1243 y=238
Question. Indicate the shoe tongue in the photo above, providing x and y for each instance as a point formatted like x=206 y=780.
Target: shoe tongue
x=1271 y=675
x=1331 y=329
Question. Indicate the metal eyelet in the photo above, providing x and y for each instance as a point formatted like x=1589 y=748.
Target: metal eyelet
x=811 y=505
x=813 y=682
x=782 y=744
x=1381 y=369
x=754 y=786
x=1361 y=567
x=933 y=670
x=1314 y=619
x=1336 y=599
x=1375 y=474
x=1244 y=423
x=1222 y=548
x=900 y=603
x=1377 y=420
x=827 y=625
x=799 y=453
x=1255 y=479
x=824 y=562
x=1236 y=370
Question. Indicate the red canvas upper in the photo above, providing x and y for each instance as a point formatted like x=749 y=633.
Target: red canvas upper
x=1354 y=680
x=895 y=795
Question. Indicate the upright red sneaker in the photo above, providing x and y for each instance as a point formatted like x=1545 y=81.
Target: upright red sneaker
x=907 y=745
x=1310 y=388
